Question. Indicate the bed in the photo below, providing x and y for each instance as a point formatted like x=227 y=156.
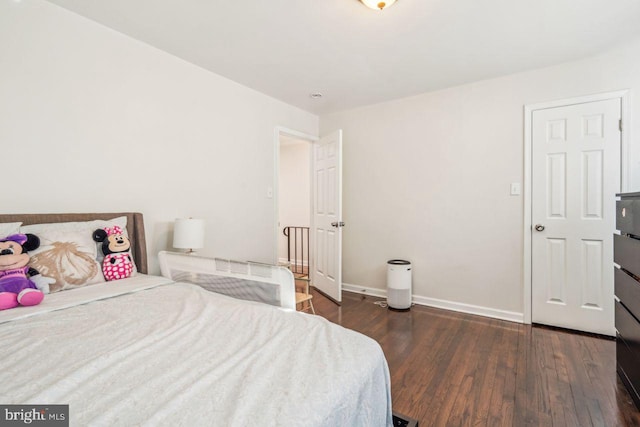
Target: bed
x=149 y=350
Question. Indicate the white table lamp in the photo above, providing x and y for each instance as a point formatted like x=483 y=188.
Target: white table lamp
x=188 y=233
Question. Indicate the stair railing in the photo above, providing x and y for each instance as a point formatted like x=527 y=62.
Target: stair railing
x=298 y=249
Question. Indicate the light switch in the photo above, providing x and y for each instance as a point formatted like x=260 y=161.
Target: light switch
x=515 y=188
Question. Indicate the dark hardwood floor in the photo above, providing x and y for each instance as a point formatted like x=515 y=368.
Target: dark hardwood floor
x=452 y=369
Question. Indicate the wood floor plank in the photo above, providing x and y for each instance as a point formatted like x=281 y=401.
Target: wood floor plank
x=450 y=369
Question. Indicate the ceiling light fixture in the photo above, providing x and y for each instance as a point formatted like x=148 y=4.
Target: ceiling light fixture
x=377 y=4
x=315 y=95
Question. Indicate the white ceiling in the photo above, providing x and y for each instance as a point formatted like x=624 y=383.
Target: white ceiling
x=356 y=56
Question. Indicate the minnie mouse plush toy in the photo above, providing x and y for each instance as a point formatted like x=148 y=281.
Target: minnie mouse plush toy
x=117 y=263
x=17 y=279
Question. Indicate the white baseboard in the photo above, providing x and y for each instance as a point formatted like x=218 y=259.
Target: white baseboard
x=477 y=310
x=382 y=293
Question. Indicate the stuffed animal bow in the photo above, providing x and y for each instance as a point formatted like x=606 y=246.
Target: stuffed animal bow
x=17 y=279
x=117 y=263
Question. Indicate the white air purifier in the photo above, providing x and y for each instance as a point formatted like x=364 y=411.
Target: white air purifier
x=399 y=284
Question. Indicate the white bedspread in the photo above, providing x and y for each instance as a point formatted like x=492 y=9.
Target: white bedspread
x=62 y=300
x=179 y=355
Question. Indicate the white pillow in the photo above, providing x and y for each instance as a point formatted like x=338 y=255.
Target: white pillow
x=9 y=228
x=68 y=253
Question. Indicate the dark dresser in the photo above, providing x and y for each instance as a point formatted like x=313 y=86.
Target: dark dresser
x=626 y=253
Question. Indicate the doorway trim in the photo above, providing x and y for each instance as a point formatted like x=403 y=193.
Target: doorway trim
x=278 y=131
x=625 y=169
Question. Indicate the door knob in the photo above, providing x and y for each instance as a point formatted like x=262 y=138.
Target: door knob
x=539 y=227
x=337 y=224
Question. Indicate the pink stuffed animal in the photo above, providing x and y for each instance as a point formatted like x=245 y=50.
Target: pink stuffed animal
x=117 y=263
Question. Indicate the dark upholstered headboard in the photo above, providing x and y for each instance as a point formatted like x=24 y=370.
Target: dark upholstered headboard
x=135 y=228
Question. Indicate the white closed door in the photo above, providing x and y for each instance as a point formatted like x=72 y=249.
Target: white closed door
x=575 y=176
x=327 y=216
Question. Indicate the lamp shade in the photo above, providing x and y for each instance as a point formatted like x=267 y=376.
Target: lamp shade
x=378 y=4
x=188 y=233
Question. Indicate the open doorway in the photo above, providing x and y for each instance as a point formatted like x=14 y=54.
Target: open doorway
x=294 y=203
x=293 y=212
x=309 y=199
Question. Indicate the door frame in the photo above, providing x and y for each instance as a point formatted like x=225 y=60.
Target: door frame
x=625 y=169
x=312 y=139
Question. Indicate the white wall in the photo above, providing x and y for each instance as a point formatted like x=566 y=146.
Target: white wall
x=427 y=178
x=294 y=193
x=92 y=120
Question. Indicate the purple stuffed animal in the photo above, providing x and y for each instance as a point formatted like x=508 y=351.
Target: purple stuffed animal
x=16 y=284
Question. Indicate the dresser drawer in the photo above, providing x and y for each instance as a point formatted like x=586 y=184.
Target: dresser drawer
x=629 y=328
x=628 y=363
x=628 y=216
x=626 y=253
x=628 y=291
